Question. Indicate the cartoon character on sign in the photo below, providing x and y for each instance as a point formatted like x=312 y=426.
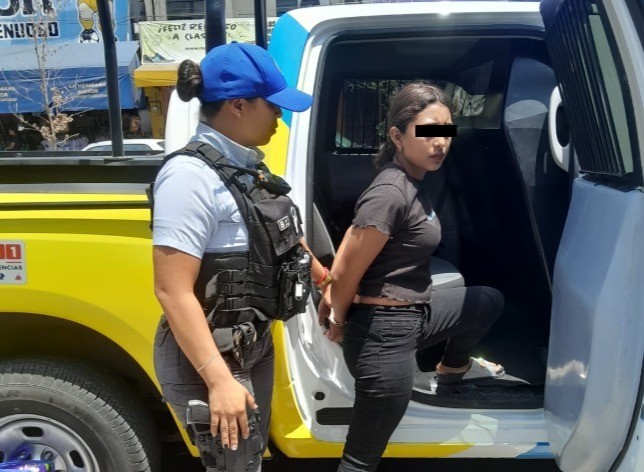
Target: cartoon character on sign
x=88 y=17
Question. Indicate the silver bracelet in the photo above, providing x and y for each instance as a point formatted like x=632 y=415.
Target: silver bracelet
x=333 y=321
x=214 y=356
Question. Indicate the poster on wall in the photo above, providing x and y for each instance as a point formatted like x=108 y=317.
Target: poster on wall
x=174 y=41
x=24 y=21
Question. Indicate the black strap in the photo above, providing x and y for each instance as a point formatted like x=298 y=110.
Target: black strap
x=219 y=163
x=224 y=167
x=265 y=185
x=227 y=172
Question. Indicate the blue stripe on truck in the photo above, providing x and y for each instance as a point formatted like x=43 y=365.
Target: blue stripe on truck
x=286 y=46
x=540 y=451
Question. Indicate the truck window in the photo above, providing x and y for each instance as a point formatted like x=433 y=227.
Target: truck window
x=596 y=83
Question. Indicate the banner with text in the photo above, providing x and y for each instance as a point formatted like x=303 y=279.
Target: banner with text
x=24 y=21
x=174 y=41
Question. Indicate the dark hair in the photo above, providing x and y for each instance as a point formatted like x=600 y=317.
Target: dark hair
x=189 y=85
x=405 y=105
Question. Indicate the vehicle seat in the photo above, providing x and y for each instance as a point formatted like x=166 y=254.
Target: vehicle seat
x=444 y=274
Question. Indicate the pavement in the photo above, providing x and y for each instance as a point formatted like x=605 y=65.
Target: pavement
x=176 y=459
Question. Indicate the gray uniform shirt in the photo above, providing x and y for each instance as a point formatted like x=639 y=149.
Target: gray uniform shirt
x=396 y=205
x=193 y=210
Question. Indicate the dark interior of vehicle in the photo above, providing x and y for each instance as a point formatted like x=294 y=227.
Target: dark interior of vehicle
x=501 y=199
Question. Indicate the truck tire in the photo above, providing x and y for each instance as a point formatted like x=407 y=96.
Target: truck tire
x=76 y=416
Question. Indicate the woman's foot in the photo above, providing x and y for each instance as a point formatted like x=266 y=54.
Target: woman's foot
x=476 y=370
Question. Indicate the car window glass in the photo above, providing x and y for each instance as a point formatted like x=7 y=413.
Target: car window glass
x=594 y=87
x=613 y=89
x=362 y=111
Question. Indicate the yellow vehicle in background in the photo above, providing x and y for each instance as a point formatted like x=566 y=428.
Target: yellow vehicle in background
x=547 y=209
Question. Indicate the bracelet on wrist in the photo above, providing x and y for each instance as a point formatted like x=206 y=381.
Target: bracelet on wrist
x=325 y=280
x=205 y=364
x=324 y=274
x=333 y=321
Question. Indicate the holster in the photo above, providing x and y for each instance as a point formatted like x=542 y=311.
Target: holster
x=236 y=332
x=213 y=455
x=238 y=341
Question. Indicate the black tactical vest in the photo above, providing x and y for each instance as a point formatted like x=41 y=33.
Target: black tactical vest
x=271 y=280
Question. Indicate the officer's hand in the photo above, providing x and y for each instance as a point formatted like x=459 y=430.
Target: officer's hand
x=228 y=401
x=324 y=310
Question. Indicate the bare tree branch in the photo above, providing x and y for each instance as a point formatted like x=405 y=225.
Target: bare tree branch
x=55 y=97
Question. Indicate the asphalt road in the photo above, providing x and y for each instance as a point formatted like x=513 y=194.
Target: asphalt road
x=177 y=460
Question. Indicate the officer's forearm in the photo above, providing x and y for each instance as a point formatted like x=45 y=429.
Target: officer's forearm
x=317 y=269
x=188 y=324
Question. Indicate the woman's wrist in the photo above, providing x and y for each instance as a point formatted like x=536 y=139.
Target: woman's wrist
x=335 y=322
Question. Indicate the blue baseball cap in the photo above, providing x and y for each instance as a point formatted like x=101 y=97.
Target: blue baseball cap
x=240 y=70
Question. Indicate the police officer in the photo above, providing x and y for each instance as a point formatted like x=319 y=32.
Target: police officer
x=228 y=255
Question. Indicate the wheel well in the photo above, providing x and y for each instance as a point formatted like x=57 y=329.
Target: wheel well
x=34 y=335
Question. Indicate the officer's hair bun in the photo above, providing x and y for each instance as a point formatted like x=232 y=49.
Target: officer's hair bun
x=189 y=80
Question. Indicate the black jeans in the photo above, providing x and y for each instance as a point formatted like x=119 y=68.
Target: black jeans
x=379 y=348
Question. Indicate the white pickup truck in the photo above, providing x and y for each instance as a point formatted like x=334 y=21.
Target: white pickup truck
x=539 y=198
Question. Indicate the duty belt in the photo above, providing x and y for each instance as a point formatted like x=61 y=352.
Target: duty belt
x=237 y=341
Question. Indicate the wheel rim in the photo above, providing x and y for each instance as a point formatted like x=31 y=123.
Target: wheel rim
x=34 y=437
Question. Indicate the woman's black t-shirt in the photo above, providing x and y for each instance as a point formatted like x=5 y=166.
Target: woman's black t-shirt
x=396 y=205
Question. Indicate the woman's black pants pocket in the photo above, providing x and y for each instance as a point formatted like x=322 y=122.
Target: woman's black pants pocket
x=378 y=346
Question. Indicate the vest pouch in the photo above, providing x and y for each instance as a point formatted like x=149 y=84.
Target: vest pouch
x=294 y=279
x=273 y=277
x=281 y=219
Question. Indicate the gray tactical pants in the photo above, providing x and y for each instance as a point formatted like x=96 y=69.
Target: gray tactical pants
x=181 y=383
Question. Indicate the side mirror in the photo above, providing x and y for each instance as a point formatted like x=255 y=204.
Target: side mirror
x=558 y=131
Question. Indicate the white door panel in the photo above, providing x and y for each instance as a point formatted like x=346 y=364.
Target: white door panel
x=597 y=328
x=634 y=456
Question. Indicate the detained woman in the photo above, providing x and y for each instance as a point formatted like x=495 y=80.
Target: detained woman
x=381 y=305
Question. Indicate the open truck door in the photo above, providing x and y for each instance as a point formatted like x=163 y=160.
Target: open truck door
x=594 y=380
